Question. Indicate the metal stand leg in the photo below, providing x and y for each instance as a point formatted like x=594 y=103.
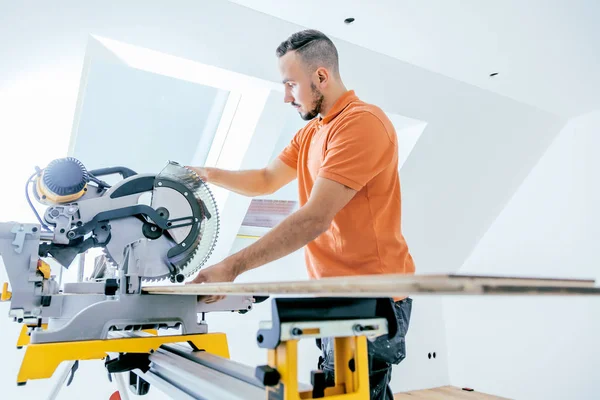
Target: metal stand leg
x=81 y=267
x=61 y=380
x=121 y=386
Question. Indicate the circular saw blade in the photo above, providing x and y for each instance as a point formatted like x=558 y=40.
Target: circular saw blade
x=207 y=239
x=196 y=252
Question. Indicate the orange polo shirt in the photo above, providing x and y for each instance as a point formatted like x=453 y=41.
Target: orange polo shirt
x=356 y=145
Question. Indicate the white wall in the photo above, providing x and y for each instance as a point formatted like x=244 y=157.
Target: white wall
x=532 y=347
x=467 y=126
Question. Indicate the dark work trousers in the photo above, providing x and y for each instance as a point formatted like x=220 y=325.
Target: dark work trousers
x=383 y=354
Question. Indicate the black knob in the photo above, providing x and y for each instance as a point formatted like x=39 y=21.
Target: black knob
x=46 y=301
x=111 y=287
x=267 y=375
x=317 y=379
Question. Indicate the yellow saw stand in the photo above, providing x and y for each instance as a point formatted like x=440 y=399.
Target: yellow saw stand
x=198 y=366
x=351 y=372
x=349 y=321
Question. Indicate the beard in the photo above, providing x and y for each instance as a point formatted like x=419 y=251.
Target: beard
x=317 y=103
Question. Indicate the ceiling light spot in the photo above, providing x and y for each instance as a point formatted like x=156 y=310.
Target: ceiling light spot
x=349 y=20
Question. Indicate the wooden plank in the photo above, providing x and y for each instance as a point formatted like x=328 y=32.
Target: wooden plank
x=445 y=393
x=393 y=285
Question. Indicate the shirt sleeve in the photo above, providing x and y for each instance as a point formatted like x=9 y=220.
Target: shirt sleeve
x=357 y=151
x=289 y=154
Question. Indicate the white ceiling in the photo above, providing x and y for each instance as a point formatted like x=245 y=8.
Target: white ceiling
x=546 y=52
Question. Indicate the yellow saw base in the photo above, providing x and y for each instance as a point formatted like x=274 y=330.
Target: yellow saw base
x=23 y=339
x=41 y=360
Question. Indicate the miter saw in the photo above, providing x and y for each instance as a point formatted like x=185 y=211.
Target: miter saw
x=179 y=225
x=158 y=227
x=149 y=227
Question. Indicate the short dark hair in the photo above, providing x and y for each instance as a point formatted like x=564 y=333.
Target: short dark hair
x=315 y=48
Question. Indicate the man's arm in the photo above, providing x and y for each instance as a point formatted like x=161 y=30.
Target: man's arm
x=257 y=182
x=327 y=199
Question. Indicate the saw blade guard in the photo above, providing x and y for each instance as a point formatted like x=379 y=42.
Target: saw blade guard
x=194 y=248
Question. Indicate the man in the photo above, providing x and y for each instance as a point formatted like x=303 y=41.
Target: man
x=346 y=163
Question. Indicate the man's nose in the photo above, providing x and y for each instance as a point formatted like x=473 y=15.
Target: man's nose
x=287 y=95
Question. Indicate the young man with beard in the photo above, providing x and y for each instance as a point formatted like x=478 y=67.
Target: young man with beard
x=346 y=163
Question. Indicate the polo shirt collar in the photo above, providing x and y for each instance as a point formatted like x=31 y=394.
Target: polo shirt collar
x=339 y=106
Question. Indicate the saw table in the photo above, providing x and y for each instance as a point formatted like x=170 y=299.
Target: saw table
x=120 y=312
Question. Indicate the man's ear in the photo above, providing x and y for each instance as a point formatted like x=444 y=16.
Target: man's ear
x=322 y=75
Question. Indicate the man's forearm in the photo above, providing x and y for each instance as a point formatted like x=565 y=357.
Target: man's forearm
x=247 y=183
x=290 y=235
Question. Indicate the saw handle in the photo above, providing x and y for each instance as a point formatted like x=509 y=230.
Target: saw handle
x=124 y=171
x=94 y=174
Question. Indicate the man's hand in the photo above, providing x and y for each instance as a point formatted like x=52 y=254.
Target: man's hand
x=225 y=271
x=201 y=171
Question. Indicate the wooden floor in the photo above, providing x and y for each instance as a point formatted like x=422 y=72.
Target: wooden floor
x=445 y=393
